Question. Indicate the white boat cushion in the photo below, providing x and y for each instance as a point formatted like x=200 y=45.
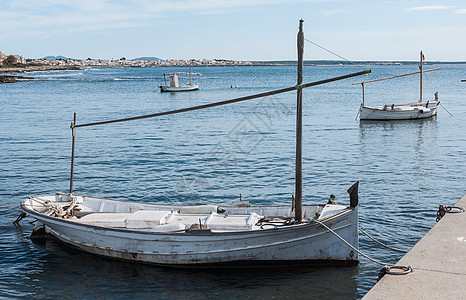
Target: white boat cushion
x=169 y=228
x=105 y=219
x=231 y=222
x=199 y=209
x=144 y=219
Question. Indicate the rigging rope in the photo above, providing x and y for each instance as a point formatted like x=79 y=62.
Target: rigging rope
x=331 y=52
x=177 y=111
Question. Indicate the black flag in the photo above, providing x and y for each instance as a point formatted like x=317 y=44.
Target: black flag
x=353 y=194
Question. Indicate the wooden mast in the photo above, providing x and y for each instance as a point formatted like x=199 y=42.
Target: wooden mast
x=420 y=68
x=362 y=84
x=299 y=127
x=190 y=73
x=73 y=132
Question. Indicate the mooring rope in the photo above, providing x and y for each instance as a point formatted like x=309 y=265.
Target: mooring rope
x=12 y=205
x=351 y=246
x=360 y=229
x=386 y=269
x=445 y=109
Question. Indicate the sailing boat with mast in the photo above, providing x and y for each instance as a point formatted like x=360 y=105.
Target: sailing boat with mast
x=400 y=111
x=207 y=235
x=174 y=85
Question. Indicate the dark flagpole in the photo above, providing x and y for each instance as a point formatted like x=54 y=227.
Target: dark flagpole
x=73 y=132
x=299 y=129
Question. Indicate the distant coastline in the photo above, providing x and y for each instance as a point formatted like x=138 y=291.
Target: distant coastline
x=342 y=62
x=73 y=64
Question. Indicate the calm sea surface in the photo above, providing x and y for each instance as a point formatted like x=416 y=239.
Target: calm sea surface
x=406 y=169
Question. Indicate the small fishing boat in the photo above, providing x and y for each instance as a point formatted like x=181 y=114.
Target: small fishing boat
x=400 y=111
x=174 y=82
x=205 y=235
x=197 y=235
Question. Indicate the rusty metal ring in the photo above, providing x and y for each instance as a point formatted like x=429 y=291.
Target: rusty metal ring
x=458 y=209
x=404 y=270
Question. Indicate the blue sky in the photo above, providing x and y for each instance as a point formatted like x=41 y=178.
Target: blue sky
x=234 y=29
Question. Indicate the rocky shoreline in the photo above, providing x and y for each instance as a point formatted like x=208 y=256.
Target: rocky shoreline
x=25 y=69
x=13 y=79
x=32 y=68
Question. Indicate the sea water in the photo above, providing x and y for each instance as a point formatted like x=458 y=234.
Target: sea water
x=406 y=169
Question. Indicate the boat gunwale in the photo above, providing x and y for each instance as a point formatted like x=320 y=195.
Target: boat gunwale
x=35 y=213
x=181 y=88
x=159 y=204
x=380 y=108
x=397 y=115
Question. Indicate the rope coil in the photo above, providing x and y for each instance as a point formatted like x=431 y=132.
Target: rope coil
x=62 y=210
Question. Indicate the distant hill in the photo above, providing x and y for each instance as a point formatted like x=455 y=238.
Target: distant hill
x=56 y=57
x=147 y=58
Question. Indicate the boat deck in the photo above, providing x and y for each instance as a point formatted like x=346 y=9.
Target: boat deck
x=406 y=106
x=170 y=221
x=438 y=261
x=148 y=217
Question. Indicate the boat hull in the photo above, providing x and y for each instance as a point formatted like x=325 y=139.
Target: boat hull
x=307 y=242
x=181 y=88
x=399 y=112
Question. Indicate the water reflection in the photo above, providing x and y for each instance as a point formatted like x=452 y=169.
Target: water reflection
x=419 y=128
x=398 y=160
x=65 y=271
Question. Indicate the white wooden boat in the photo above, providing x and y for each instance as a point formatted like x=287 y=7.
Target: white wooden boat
x=179 y=88
x=174 y=83
x=400 y=111
x=205 y=235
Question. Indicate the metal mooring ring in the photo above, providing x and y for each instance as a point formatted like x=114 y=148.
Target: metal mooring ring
x=458 y=209
x=404 y=270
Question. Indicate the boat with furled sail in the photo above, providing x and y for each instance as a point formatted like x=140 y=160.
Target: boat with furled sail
x=206 y=235
x=400 y=111
x=174 y=82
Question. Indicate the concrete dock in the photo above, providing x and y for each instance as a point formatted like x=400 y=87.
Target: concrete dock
x=438 y=261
